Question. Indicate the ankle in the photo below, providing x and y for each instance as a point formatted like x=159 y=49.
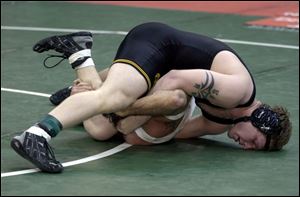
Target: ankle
x=81 y=59
x=50 y=125
x=38 y=131
x=88 y=62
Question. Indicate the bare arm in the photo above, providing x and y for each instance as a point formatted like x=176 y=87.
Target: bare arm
x=224 y=90
x=166 y=102
x=200 y=126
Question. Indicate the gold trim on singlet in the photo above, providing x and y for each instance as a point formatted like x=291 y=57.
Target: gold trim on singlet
x=135 y=65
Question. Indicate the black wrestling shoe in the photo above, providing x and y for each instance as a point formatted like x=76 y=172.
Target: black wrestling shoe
x=36 y=149
x=60 y=95
x=67 y=45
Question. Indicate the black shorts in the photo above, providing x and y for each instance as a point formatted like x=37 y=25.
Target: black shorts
x=155 y=48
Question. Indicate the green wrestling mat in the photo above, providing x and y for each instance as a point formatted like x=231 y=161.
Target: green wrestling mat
x=213 y=165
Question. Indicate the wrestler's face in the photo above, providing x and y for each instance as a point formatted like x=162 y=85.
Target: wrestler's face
x=247 y=136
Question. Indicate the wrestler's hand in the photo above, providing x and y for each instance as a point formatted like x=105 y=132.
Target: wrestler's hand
x=125 y=126
x=121 y=113
x=130 y=123
x=79 y=86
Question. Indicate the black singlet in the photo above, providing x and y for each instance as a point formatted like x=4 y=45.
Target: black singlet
x=156 y=48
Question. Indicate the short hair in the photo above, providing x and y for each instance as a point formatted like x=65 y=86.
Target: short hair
x=278 y=141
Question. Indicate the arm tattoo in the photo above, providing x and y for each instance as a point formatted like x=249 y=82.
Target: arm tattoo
x=206 y=90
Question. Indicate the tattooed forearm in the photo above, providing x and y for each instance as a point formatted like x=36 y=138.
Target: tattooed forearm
x=206 y=90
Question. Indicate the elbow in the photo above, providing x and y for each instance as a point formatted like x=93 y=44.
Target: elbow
x=179 y=100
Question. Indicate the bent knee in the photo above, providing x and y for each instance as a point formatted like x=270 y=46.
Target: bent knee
x=100 y=134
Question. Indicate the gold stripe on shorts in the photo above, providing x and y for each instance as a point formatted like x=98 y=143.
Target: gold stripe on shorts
x=135 y=65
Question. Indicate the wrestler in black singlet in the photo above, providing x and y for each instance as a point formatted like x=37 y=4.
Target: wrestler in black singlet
x=155 y=48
